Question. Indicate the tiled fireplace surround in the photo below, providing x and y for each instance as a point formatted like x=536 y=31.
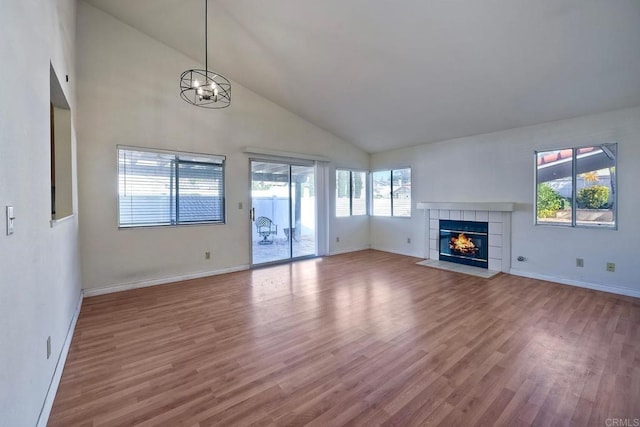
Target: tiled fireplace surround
x=498 y=215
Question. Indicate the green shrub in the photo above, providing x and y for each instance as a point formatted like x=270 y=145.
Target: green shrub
x=549 y=202
x=594 y=197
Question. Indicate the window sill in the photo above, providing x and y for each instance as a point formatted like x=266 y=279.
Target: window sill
x=577 y=226
x=156 y=226
x=56 y=222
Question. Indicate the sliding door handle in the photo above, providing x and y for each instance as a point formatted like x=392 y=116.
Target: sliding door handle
x=252 y=214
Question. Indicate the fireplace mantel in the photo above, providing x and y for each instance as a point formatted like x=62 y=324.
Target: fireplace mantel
x=469 y=206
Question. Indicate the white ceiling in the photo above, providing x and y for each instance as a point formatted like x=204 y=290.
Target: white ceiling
x=384 y=74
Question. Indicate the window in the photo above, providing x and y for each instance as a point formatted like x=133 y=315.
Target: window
x=358 y=193
x=392 y=192
x=351 y=193
x=577 y=187
x=169 y=188
x=61 y=151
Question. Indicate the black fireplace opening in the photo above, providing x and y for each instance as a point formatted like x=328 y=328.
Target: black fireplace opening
x=464 y=242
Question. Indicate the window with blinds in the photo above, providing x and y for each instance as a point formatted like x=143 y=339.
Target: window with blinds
x=157 y=188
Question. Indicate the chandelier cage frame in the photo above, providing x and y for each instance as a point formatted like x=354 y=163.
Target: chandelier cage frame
x=205 y=88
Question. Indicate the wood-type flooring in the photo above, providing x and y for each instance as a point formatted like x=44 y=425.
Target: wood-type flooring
x=366 y=338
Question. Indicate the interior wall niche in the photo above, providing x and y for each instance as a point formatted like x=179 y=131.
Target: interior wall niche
x=61 y=151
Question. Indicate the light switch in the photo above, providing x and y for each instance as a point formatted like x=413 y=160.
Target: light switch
x=10 y=219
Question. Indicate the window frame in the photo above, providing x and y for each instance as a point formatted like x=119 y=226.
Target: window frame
x=181 y=157
x=366 y=189
x=392 y=214
x=62 y=174
x=574 y=193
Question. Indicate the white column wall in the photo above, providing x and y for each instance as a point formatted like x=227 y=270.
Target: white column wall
x=39 y=264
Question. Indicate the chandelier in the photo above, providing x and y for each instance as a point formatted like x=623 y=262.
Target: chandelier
x=205 y=88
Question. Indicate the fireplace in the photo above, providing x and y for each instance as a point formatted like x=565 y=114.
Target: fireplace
x=496 y=214
x=464 y=242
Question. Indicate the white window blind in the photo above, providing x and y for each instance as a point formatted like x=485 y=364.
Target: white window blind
x=169 y=188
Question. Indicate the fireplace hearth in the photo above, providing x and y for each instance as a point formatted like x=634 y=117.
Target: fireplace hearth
x=464 y=242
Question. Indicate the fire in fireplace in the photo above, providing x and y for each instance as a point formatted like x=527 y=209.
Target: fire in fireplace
x=462 y=245
x=464 y=242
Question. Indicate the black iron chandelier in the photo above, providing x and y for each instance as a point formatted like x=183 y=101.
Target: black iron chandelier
x=205 y=88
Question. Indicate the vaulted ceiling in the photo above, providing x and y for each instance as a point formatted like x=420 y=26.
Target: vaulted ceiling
x=384 y=74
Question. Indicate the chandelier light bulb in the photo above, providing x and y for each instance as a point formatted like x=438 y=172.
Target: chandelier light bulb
x=200 y=91
x=196 y=83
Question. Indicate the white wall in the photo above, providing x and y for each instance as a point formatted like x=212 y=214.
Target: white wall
x=353 y=232
x=63 y=162
x=128 y=94
x=499 y=167
x=40 y=280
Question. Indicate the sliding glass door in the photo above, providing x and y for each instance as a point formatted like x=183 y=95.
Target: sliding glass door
x=303 y=211
x=283 y=211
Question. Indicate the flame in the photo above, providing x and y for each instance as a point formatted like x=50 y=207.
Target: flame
x=462 y=244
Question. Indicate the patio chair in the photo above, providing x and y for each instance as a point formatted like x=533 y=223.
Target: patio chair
x=266 y=228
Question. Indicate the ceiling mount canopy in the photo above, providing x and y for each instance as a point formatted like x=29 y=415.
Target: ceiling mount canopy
x=205 y=88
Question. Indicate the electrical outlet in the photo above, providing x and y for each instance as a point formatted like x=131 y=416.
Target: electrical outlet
x=207 y=255
x=48 y=347
x=337 y=239
x=611 y=267
x=408 y=239
x=579 y=262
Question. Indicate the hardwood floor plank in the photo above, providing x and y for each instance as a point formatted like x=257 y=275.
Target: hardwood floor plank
x=366 y=338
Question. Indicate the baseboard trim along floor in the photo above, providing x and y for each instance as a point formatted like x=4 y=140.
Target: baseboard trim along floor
x=57 y=374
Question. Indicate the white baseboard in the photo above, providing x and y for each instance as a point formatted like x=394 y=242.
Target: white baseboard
x=347 y=250
x=90 y=292
x=395 y=251
x=57 y=373
x=597 y=287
